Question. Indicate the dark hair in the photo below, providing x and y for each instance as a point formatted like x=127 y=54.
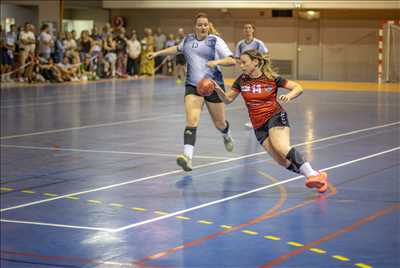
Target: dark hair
x=249 y=23
x=200 y=15
x=264 y=62
x=44 y=27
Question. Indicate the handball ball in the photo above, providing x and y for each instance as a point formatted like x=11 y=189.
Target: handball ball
x=205 y=87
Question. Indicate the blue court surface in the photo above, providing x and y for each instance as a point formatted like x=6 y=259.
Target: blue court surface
x=89 y=179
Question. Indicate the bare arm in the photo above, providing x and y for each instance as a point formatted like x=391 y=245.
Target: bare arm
x=228 y=61
x=295 y=90
x=227 y=97
x=164 y=52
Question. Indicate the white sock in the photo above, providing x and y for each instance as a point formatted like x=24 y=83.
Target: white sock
x=188 y=150
x=307 y=170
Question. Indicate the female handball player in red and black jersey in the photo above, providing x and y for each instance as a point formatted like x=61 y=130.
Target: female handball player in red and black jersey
x=258 y=86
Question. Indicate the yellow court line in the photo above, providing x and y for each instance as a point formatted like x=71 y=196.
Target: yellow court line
x=205 y=222
x=362 y=265
x=318 y=250
x=340 y=258
x=116 y=205
x=72 y=197
x=161 y=212
x=94 y=201
x=6 y=189
x=272 y=237
x=49 y=194
x=295 y=244
x=249 y=232
x=139 y=209
x=183 y=218
x=27 y=192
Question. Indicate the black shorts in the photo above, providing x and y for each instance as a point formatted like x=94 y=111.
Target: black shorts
x=191 y=90
x=180 y=59
x=279 y=119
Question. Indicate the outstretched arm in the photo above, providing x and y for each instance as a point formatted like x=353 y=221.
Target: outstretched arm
x=165 y=52
x=228 y=61
x=227 y=97
x=295 y=90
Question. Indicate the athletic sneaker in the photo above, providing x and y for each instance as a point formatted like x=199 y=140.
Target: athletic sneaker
x=184 y=162
x=319 y=181
x=228 y=142
x=249 y=125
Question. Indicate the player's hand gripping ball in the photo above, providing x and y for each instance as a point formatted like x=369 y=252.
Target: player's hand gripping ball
x=205 y=87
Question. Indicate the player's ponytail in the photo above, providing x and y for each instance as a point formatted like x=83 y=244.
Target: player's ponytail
x=212 y=29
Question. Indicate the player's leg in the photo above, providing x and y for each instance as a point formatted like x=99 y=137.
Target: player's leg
x=193 y=107
x=217 y=112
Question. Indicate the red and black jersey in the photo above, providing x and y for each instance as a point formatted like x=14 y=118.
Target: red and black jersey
x=259 y=95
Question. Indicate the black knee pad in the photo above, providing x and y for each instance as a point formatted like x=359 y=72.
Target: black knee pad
x=189 y=136
x=295 y=158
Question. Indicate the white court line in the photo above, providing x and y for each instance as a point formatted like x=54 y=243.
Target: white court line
x=102 y=125
x=102 y=151
x=247 y=193
x=89 y=126
x=206 y=204
x=59 y=225
x=180 y=171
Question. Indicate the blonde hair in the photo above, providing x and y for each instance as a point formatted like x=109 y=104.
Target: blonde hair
x=212 y=29
x=264 y=62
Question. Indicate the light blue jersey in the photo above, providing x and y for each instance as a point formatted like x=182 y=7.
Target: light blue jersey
x=257 y=44
x=198 y=53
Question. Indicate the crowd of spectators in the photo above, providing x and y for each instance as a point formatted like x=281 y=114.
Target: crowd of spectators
x=28 y=55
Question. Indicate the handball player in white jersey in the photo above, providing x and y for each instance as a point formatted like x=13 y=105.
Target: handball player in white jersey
x=249 y=43
x=204 y=53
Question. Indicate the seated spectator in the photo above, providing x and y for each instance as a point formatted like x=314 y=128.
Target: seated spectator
x=67 y=70
x=86 y=70
x=50 y=71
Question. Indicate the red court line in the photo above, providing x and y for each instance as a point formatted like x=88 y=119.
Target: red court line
x=330 y=236
x=269 y=214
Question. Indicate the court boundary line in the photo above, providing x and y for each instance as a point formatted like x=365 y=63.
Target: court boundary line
x=130 y=226
x=104 y=124
x=103 y=151
x=58 y=225
x=248 y=192
x=196 y=167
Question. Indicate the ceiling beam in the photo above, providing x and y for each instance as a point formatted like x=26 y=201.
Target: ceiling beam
x=278 y=4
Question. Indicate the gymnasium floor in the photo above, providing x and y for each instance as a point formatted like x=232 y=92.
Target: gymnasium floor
x=88 y=179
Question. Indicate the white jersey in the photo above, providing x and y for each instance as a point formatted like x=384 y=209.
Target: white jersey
x=243 y=46
x=198 y=52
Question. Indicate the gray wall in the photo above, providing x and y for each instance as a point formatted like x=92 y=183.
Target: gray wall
x=21 y=14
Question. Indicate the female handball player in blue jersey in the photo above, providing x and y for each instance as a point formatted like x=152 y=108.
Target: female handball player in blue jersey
x=204 y=52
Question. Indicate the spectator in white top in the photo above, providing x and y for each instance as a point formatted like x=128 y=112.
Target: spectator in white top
x=70 y=45
x=45 y=42
x=27 y=45
x=133 y=48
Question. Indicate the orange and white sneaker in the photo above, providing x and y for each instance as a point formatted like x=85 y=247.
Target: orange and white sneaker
x=319 y=181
